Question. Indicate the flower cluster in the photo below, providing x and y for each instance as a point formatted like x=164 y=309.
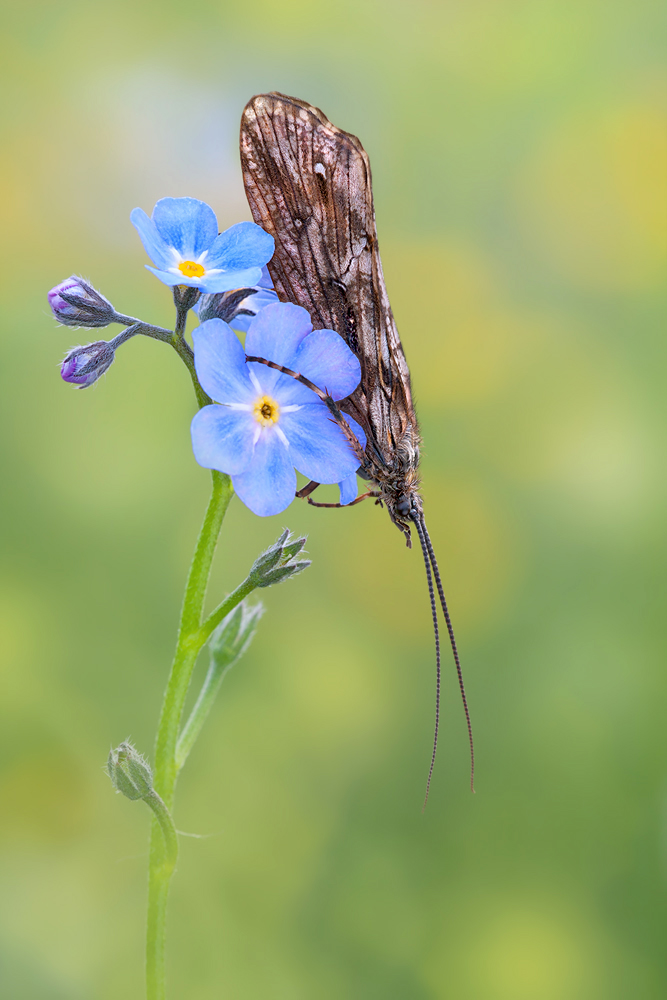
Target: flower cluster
x=262 y=424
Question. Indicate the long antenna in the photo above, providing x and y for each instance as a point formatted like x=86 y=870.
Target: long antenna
x=436 y=630
x=452 y=640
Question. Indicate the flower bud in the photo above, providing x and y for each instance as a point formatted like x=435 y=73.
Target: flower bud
x=239 y=307
x=76 y=303
x=234 y=634
x=226 y=305
x=84 y=365
x=275 y=565
x=226 y=645
x=130 y=773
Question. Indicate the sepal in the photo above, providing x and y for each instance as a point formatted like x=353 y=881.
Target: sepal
x=185 y=297
x=282 y=573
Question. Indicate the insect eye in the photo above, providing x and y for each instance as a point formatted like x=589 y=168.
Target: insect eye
x=403 y=507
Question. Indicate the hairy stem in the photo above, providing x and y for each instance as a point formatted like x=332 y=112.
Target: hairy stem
x=163 y=816
x=185 y=353
x=191 y=638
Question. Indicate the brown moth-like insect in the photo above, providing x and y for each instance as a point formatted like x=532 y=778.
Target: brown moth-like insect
x=308 y=183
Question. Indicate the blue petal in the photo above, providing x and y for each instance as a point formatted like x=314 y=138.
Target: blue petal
x=169 y=278
x=220 y=363
x=209 y=283
x=348 y=489
x=262 y=298
x=227 y=280
x=187 y=224
x=317 y=445
x=222 y=438
x=265 y=281
x=269 y=483
x=275 y=334
x=241 y=246
x=326 y=360
x=154 y=245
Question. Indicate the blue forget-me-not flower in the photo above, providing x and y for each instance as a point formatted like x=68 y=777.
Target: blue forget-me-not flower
x=264 y=424
x=182 y=240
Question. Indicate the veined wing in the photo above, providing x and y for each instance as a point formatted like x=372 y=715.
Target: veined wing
x=309 y=185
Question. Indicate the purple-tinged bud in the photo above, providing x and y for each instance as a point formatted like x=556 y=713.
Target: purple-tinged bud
x=76 y=303
x=84 y=365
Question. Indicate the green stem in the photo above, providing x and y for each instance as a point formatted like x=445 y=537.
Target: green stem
x=191 y=730
x=163 y=816
x=189 y=642
x=226 y=650
x=159 y=878
x=183 y=349
x=196 y=719
x=184 y=352
x=225 y=607
x=162 y=867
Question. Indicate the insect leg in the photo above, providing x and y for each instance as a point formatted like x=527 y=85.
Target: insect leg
x=328 y=400
x=364 y=496
x=306 y=490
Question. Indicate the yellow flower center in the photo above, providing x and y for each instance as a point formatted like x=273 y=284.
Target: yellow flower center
x=266 y=411
x=191 y=269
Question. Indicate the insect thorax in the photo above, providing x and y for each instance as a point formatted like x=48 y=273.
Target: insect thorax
x=395 y=474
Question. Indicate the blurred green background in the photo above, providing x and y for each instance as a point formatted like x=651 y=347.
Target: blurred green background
x=519 y=158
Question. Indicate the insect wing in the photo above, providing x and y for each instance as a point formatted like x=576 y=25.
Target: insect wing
x=308 y=183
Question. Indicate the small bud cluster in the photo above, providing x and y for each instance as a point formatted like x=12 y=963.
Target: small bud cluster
x=130 y=772
x=74 y=302
x=277 y=563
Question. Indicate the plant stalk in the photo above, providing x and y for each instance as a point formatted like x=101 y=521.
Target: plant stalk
x=191 y=638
